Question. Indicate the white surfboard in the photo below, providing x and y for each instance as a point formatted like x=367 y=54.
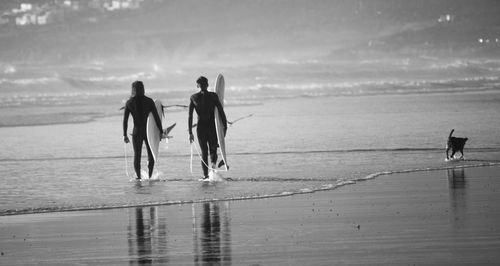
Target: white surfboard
x=152 y=132
x=219 y=126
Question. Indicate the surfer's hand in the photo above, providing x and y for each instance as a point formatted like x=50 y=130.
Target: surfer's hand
x=191 y=138
x=125 y=139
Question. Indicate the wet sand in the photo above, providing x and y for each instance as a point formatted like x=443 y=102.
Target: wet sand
x=443 y=217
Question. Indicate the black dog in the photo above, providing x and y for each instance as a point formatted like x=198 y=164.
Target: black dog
x=455 y=144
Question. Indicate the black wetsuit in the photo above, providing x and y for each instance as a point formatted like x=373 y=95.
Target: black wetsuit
x=140 y=107
x=205 y=102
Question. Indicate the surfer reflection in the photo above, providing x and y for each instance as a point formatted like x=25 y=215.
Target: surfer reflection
x=205 y=102
x=458 y=197
x=215 y=235
x=140 y=106
x=148 y=242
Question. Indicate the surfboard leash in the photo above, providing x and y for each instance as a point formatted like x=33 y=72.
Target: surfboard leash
x=191 y=161
x=199 y=155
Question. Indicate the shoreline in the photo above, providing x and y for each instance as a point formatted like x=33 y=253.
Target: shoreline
x=433 y=217
x=340 y=183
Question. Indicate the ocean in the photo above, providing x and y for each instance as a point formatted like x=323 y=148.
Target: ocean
x=300 y=127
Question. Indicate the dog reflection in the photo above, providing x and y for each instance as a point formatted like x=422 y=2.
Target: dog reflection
x=456 y=177
x=458 y=197
x=215 y=239
x=147 y=237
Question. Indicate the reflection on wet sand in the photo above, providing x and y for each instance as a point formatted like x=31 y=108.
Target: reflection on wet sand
x=147 y=237
x=211 y=236
x=213 y=245
x=458 y=197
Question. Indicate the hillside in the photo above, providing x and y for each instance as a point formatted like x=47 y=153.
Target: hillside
x=256 y=31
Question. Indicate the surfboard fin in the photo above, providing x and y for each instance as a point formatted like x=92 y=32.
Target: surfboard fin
x=168 y=129
x=222 y=163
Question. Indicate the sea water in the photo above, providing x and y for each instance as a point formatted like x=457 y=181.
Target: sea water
x=293 y=138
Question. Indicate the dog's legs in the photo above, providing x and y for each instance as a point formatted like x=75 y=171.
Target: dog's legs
x=453 y=153
x=447 y=149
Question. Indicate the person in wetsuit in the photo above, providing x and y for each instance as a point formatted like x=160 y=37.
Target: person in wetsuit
x=140 y=106
x=205 y=102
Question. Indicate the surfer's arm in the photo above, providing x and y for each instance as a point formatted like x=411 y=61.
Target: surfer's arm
x=126 y=114
x=190 y=121
x=190 y=118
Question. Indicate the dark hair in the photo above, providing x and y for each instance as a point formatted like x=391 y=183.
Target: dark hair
x=202 y=81
x=137 y=88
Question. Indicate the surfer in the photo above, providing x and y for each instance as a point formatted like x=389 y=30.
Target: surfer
x=205 y=102
x=140 y=106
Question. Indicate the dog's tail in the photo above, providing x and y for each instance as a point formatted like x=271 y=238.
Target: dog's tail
x=451 y=133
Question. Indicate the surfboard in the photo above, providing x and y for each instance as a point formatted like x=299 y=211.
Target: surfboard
x=152 y=133
x=219 y=126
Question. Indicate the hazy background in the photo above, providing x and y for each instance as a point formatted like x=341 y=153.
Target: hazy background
x=176 y=34
x=57 y=53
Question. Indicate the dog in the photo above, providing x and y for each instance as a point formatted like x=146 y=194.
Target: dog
x=455 y=145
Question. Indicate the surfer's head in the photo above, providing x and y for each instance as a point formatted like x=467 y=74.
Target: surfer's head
x=202 y=83
x=137 y=88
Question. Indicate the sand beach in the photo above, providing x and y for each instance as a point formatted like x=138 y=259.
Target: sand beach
x=441 y=217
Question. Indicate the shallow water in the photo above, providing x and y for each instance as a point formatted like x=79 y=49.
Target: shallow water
x=288 y=146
